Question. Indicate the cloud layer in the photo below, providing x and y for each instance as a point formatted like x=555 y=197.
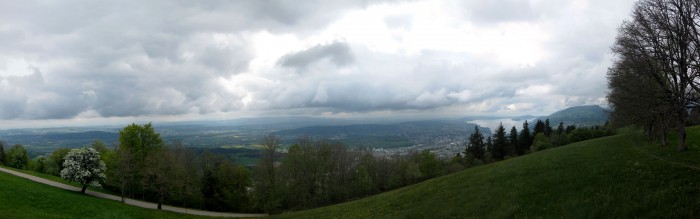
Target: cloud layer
x=82 y=59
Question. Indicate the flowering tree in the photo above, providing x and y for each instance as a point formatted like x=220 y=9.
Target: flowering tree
x=84 y=165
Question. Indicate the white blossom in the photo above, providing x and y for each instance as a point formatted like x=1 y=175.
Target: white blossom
x=84 y=165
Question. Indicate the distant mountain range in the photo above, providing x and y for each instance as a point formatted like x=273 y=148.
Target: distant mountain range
x=579 y=115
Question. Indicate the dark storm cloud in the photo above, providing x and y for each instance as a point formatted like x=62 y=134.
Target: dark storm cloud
x=339 y=53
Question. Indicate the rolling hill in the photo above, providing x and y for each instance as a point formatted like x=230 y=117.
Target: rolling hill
x=619 y=176
x=579 y=116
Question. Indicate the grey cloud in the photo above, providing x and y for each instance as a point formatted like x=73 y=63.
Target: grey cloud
x=136 y=58
x=495 y=11
x=338 y=53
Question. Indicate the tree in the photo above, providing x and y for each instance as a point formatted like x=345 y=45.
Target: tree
x=525 y=139
x=38 y=164
x=539 y=128
x=54 y=164
x=512 y=149
x=547 y=128
x=499 y=143
x=158 y=174
x=186 y=176
x=140 y=141
x=17 y=157
x=664 y=35
x=84 y=166
x=475 y=144
x=541 y=142
x=124 y=171
x=560 y=128
x=429 y=165
x=3 y=157
x=266 y=183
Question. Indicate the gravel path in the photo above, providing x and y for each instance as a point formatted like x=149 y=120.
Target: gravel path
x=129 y=201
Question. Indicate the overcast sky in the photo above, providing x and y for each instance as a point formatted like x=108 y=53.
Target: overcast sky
x=83 y=62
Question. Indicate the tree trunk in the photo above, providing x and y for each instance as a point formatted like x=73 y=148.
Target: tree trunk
x=664 y=135
x=122 y=186
x=83 y=190
x=681 y=130
x=160 y=202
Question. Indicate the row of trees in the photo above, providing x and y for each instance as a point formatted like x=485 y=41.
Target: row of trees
x=502 y=145
x=318 y=172
x=655 y=78
x=142 y=166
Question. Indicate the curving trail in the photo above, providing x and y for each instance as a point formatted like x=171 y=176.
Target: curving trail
x=130 y=201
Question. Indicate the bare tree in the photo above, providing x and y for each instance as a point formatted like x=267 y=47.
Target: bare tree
x=664 y=34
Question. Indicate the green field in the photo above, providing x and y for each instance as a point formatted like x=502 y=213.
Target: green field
x=620 y=176
x=22 y=198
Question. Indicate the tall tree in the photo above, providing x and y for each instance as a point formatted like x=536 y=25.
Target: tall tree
x=499 y=143
x=547 y=128
x=266 y=183
x=140 y=140
x=664 y=33
x=475 y=144
x=525 y=139
x=512 y=142
x=539 y=128
x=560 y=128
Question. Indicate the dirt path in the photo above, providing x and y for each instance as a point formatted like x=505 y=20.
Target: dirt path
x=129 y=201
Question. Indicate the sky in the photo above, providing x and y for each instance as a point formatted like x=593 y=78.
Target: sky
x=105 y=62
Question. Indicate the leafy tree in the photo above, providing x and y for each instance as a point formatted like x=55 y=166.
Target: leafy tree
x=525 y=139
x=541 y=142
x=54 y=163
x=17 y=157
x=570 y=128
x=429 y=164
x=499 y=143
x=475 y=144
x=39 y=164
x=84 y=166
x=140 y=141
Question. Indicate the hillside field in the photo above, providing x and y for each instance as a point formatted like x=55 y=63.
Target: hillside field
x=619 y=176
x=22 y=198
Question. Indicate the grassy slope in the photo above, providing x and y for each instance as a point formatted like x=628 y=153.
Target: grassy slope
x=608 y=177
x=22 y=198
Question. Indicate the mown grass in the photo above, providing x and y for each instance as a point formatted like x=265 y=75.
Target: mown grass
x=611 y=177
x=61 y=180
x=22 y=198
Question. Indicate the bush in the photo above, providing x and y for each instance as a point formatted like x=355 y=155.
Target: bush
x=17 y=157
x=541 y=142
